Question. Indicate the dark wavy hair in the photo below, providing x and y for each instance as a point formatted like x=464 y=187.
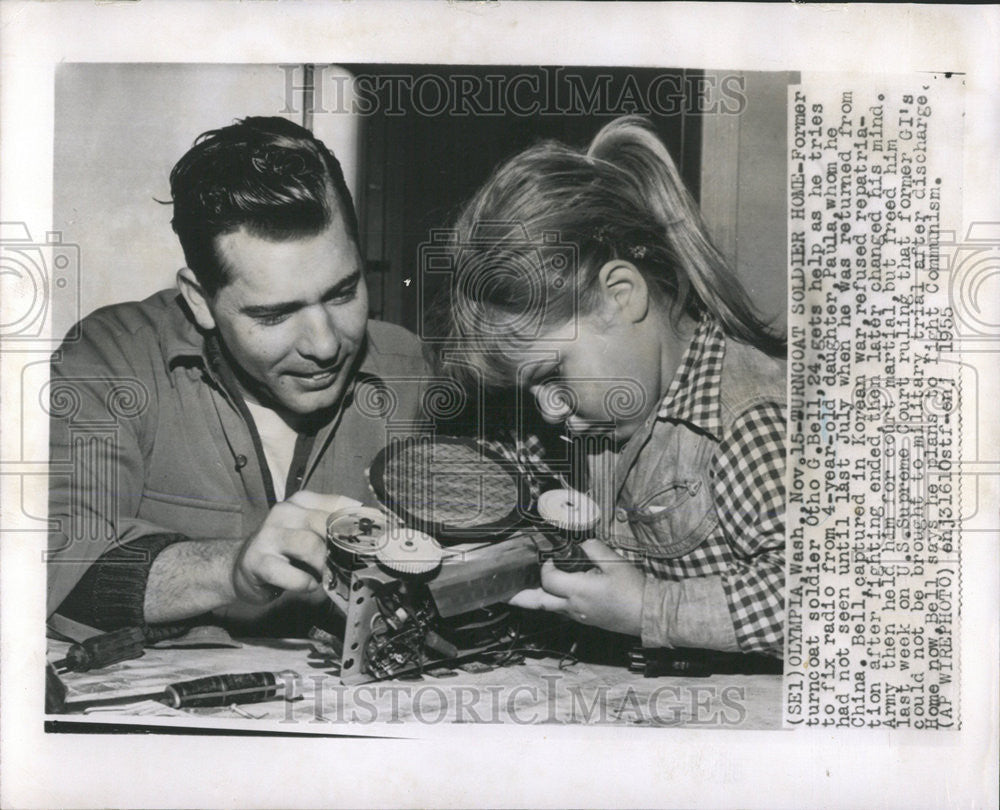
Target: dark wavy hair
x=265 y=174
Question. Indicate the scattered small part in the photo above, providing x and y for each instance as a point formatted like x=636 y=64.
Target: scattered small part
x=244 y=713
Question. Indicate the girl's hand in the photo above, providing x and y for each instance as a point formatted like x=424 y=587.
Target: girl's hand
x=608 y=596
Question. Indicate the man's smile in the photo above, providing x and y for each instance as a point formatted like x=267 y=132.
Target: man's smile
x=318 y=379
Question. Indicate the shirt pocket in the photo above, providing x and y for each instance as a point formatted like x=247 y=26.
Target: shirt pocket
x=672 y=520
x=206 y=519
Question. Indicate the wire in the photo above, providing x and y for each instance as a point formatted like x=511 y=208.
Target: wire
x=565 y=660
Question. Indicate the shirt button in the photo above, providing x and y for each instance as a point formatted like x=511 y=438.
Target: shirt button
x=621 y=515
x=241 y=461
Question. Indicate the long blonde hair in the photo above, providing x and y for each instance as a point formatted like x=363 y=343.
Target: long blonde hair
x=530 y=244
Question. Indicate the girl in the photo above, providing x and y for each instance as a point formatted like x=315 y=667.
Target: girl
x=588 y=279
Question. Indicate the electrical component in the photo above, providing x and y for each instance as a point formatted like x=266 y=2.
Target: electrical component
x=355 y=534
x=407 y=551
x=569 y=509
x=425 y=583
x=575 y=515
x=452 y=488
x=444 y=608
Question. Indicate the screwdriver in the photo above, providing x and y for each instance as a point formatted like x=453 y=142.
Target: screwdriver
x=694 y=663
x=224 y=690
x=213 y=690
x=103 y=650
x=656 y=663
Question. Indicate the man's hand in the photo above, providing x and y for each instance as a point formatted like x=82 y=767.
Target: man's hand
x=288 y=553
x=608 y=596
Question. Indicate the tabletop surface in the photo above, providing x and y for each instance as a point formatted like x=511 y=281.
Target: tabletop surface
x=531 y=690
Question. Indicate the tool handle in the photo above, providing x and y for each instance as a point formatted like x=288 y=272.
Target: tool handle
x=104 y=650
x=656 y=663
x=55 y=691
x=224 y=690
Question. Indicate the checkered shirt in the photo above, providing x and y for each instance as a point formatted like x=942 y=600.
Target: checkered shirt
x=747 y=547
x=526 y=453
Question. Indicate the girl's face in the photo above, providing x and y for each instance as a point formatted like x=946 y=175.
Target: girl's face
x=596 y=373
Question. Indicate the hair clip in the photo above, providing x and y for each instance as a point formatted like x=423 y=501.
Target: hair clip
x=637 y=251
x=600 y=235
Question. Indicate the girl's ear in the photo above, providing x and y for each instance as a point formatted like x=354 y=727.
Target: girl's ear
x=195 y=297
x=625 y=290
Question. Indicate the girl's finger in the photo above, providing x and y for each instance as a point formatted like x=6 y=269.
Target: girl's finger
x=539 y=599
x=601 y=554
x=563 y=583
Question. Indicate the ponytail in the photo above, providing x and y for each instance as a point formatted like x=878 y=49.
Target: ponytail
x=623 y=198
x=705 y=281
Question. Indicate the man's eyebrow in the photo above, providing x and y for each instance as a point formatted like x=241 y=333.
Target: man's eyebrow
x=344 y=285
x=285 y=307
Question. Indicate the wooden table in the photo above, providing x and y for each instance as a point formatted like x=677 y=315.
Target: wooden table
x=537 y=690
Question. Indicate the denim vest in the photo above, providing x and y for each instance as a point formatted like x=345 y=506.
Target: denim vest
x=660 y=502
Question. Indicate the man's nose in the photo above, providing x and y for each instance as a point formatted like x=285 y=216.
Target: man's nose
x=555 y=402
x=320 y=338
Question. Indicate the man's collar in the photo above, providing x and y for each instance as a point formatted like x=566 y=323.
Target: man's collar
x=693 y=394
x=180 y=337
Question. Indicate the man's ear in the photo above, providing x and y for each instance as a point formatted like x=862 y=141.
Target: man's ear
x=194 y=294
x=625 y=290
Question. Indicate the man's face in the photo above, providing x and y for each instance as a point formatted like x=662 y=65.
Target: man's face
x=292 y=316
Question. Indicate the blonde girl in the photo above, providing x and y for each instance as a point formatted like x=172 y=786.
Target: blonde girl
x=588 y=279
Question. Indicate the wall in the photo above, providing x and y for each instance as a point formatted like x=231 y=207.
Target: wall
x=744 y=188
x=420 y=168
x=119 y=130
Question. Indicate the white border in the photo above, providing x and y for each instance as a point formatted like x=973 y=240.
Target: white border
x=518 y=766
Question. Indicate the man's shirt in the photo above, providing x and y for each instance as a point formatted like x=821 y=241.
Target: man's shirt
x=149 y=445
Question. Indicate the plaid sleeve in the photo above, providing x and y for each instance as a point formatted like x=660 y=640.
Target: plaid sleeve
x=527 y=454
x=749 y=494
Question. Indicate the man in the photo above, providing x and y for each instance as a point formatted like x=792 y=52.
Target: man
x=238 y=410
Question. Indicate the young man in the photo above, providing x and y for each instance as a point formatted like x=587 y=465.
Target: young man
x=212 y=428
